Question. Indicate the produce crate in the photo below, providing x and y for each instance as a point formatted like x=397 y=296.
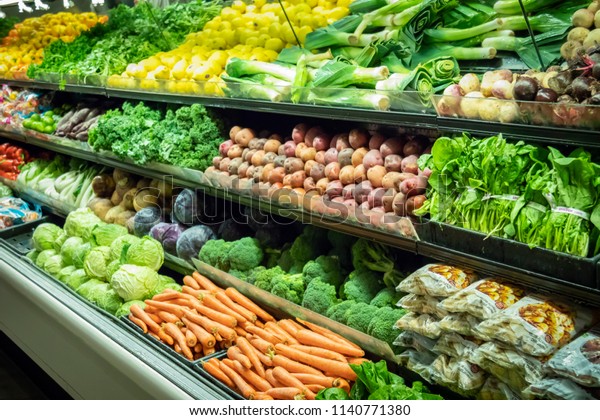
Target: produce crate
x=18 y=237
x=577 y=270
x=199 y=368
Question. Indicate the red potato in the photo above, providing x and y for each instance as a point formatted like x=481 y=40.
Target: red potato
x=409 y=160
x=272 y=146
x=425 y=172
x=412 y=168
x=311 y=134
x=257 y=157
x=243 y=169
x=320 y=157
x=362 y=191
x=317 y=171
x=322 y=185
x=269 y=157
x=375 y=197
x=339 y=199
x=375 y=176
x=244 y=136
x=289 y=149
x=393 y=163
x=392 y=146
x=358 y=138
x=299 y=148
x=235 y=151
x=399 y=204
x=414 y=203
x=224 y=164
x=360 y=173
x=217 y=161
x=350 y=202
x=292 y=165
x=224 y=147
x=250 y=171
x=321 y=141
x=297 y=180
x=414 y=186
x=415 y=146
x=299 y=132
x=310 y=184
x=309 y=165
x=249 y=155
x=331 y=156
x=378 y=210
x=348 y=192
x=358 y=156
x=234 y=165
x=388 y=199
x=279 y=161
x=245 y=153
x=342 y=141
x=344 y=157
x=347 y=175
x=287 y=180
x=372 y=158
x=334 y=189
x=308 y=153
x=365 y=206
x=376 y=141
x=276 y=175
x=332 y=171
x=233 y=131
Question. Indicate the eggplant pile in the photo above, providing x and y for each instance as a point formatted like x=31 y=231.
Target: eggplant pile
x=77 y=122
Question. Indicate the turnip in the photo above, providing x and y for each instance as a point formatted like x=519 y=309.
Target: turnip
x=578 y=35
x=502 y=89
x=509 y=113
x=490 y=77
x=489 y=109
x=583 y=18
x=470 y=104
x=469 y=83
x=525 y=89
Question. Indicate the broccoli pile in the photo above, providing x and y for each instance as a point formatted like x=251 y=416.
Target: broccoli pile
x=319 y=296
x=242 y=255
x=325 y=268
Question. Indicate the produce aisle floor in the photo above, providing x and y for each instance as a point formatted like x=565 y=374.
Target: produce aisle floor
x=22 y=379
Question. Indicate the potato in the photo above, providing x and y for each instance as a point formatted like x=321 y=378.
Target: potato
x=299 y=149
x=372 y=158
x=344 y=157
x=257 y=144
x=348 y=191
x=279 y=161
x=308 y=166
x=375 y=175
x=376 y=141
x=269 y=157
x=235 y=151
x=393 y=163
x=362 y=191
x=311 y=134
x=272 y=146
x=399 y=204
x=392 y=146
x=409 y=160
x=123 y=217
x=309 y=184
x=217 y=161
x=274 y=190
x=320 y=157
x=144 y=198
x=103 y=185
x=360 y=173
x=347 y=175
x=224 y=148
x=242 y=169
x=341 y=142
x=298 y=178
x=287 y=180
x=116 y=198
x=334 y=189
x=249 y=155
x=250 y=171
x=414 y=203
x=322 y=185
x=391 y=179
x=113 y=213
x=317 y=171
x=414 y=146
x=299 y=132
x=289 y=149
x=275 y=136
x=243 y=137
x=258 y=173
x=224 y=165
x=358 y=138
x=266 y=172
x=321 y=141
x=292 y=165
x=375 y=197
x=388 y=199
x=276 y=175
x=332 y=171
x=358 y=156
x=308 y=153
x=414 y=186
x=233 y=166
x=257 y=157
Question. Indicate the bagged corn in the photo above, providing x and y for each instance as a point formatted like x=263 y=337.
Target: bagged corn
x=558 y=389
x=418 y=361
x=517 y=370
x=455 y=345
x=437 y=280
x=415 y=341
x=495 y=389
x=483 y=299
x=579 y=360
x=422 y=304
x=423 y=324
x=457 y=374
x=462 y=324
x=536 y=325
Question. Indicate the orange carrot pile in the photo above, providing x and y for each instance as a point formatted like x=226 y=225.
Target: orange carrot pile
x=266 y=359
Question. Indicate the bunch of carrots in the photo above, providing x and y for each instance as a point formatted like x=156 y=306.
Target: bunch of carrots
x=266 y=359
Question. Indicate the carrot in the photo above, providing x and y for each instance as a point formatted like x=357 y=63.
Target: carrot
x=241 y=332
x=269 y=377
x=265 y=335
x=164 y=296
x=262 y=345
x=248 y=304
x=198 y=348
x=287 y=379
x=234 y=353
x=191 y=282
x=340 y=369
x=247 y=349
x=151 y=334
x=239 y=382
x=213 y=303
x=225 y=300
x=275 y=328
x=260 y=396
x=214 y=370
x=216 y=315
x=155 y=318
x=289 y=326
x=190 y=291
x=167 y=317
x=167 y=307
x=342 y=383
x=264 y=359
x=205 y=283
x=259 y=324
x=183 y=302
x=144 y=317
x=293 y=366
x=225 y=344
x=252 y=378
x=173 y=331
x=165 y=337
x=312 y=338
x=190 y=339
x=178 y=349
x=285 y=393
x=203 y=336
x=139 y=323
x=308 y=379
x=356 y=360
x=321 y=352
x=329 y=334
x=211 y=326
x=208 y=350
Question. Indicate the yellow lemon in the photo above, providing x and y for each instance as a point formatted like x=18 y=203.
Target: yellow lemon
x=179 y=69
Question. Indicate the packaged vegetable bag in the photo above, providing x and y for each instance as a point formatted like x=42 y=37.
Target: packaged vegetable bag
x=437 y=280
x=415 y=341
x=463 y=324
x=559 y=389
x=455 y=345
x=579 y=360
x=457 y=374
x=423 y=324
x=495 y=389
x=418 y=361
x=422 y=304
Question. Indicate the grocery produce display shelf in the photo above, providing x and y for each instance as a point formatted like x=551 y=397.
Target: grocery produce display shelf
x=73 y=343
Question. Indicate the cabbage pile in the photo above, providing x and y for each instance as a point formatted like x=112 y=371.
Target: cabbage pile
x=100 y=261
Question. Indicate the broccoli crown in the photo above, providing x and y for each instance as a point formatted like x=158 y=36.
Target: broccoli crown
x=319 y=296
x=371 y=255
x=386 y=297
x=382 y=324
x=340 y=311
x=288 y=286
x=263 y=279
x=252 y=274
x=309 y=245
x=245 y=254
x=242 y=275
x=215 y=253
x=360 y=315
x=361 y=286
x=326 y=268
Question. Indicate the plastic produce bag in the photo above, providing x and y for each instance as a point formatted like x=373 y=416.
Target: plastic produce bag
x=437 y=280
x=418 y=361
x=558 y=389
x=462 y=324
x=536 y=325
x=457 y=374
x=422 y=304
x=579 y=360
x=14 y=211
x=483 y=298
x=423 y=324
x=455 y=345
x=495 y=389
x=416 y=341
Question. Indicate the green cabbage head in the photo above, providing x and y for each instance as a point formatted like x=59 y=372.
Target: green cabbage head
x=100 y=294
x=45 y=235
x=116 y=248
x=105 y=234
x=124 y=309
x=96 y=261
x=43 y=257
x=76 y=279
x=53 y=265
x=33 y=254
x=82 y=222
x=111 y=268
x=80 y=253
x=69 y=248
x=148 y=253
x=64 y=274
x=60 y=240
x=133 y=282
x=164 y=282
